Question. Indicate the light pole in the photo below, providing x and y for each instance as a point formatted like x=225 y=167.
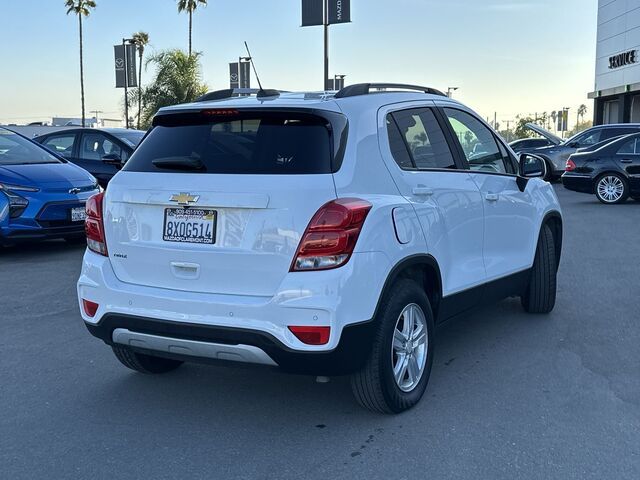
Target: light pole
x=450 y=91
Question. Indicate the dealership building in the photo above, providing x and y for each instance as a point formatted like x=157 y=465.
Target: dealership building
x=617 y=87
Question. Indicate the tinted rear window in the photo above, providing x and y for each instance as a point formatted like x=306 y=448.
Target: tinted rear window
x=230 y=142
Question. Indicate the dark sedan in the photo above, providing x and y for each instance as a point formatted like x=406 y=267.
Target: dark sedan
x=611 y=172
x=100 y=151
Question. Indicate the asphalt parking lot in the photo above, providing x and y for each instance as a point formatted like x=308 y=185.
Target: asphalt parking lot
x=511 y=395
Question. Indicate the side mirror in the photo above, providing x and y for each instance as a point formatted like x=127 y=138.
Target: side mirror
x=573 y=145
x=532 y=166
x=113 y=159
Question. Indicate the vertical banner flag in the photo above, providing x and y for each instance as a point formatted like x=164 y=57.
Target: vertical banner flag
x=234 y=79
x=339 y=11
x=312 y=12
x=560 y=120
x=125 y=67
x=119 y=65
x=245 y=75
x=132 y=71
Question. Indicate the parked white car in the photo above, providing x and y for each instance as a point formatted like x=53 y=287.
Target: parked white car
x=322 y=233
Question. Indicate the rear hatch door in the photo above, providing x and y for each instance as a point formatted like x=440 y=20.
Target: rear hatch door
x=217 y=202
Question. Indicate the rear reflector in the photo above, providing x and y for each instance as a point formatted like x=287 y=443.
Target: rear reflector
x=312 y=335
x=90 y=308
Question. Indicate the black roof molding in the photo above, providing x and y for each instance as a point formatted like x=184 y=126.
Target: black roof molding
x=365 y=89
x=236 y=92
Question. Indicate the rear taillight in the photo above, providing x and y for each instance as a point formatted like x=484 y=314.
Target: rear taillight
x=312 y=335
x=94 y=225
x=570 y=166
x=331 y=236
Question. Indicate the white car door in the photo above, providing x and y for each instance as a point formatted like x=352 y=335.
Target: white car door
x=510 y=216
x=444 y=196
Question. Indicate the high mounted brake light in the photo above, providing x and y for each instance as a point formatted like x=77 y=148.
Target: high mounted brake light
x=218 y=112
x=331 y=236
x=94 y=225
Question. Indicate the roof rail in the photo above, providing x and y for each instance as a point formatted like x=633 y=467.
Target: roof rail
x=236 y=92
x=365 y=89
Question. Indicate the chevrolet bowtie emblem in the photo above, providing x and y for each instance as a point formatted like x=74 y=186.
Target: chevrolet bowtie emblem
x=185 y=198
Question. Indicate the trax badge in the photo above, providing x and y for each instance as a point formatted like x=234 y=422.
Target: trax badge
x=185 y=198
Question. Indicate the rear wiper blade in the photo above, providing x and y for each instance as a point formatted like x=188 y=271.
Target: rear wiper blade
x=179 y=163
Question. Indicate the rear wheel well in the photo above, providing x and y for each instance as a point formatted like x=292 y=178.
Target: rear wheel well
x=427 y=275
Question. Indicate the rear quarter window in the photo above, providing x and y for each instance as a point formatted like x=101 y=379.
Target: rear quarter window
x=269 y=143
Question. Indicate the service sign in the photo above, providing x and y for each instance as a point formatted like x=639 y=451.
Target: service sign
x=623 y=59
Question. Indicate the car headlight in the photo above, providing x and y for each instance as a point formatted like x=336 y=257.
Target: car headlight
x=17 y=203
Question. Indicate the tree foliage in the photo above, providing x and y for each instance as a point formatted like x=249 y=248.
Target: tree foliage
x=177 y=80
x=521 y=131
x=80 y=7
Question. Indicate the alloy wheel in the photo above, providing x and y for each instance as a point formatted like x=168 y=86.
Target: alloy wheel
x=410 y=347
x=610 y=188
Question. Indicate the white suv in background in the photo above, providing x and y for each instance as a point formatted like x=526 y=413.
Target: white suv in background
x=322 y=233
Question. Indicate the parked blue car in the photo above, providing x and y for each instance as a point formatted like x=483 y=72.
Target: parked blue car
x=42 y=195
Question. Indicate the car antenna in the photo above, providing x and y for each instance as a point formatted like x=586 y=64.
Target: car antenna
x=262 y=92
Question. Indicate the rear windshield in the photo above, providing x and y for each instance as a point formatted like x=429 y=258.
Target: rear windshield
x=231 y=142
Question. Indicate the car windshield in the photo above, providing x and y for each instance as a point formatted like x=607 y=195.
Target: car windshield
x=17 y=150
x=131 y=138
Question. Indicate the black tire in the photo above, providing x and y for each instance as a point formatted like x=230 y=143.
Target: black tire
x=144 y=363
x=540 y=295
x=374 y=386
x=625 y=186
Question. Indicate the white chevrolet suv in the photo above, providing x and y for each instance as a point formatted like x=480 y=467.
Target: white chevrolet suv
x=321 y=233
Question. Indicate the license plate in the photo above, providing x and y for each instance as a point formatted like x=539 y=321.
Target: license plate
x=78 y=214
x=190 y=225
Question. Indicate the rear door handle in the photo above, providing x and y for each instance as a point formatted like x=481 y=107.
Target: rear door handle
x=422 y=191
x=626 y=160
x=491 y=197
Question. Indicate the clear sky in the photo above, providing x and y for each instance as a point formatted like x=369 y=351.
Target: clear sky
x=507 y=56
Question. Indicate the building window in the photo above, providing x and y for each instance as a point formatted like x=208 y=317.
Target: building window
x=611 y=111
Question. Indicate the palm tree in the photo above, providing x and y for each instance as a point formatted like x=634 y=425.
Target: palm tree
x=140 y=40
x=189 y=6
x=177 y=80
x=81 y=8
x=582 y=111
x=554 y=116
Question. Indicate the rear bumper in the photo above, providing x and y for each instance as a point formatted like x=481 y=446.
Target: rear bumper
x=347 y=357
x=342 y=299
x=577 y=182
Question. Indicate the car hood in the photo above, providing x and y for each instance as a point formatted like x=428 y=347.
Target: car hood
x=45 y=175
x=544 y=133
